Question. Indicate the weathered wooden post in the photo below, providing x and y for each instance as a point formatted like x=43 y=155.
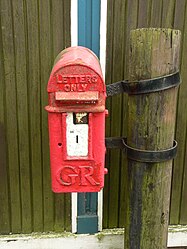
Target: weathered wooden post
x=151 y=123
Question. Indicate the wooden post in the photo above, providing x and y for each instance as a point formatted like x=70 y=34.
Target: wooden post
x=151 y=124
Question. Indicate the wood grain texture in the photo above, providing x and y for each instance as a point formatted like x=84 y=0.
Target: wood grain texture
x=66 y=23
x=4 y=184
x=45 y=42
x=151 y=123
x=181 y=131
x=181 y=123
x=168 y=12
x=35 y=113
x=115 y=114
x=131 y=21
x=156 y=14
x=11 y=115
x=22 y=114
x=32 y=33
x=144 y=13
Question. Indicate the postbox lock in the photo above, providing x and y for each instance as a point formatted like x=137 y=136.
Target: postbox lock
x=76 y=116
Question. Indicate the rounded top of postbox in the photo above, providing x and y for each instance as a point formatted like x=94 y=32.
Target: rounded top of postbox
x=78 y=55
x=72 y=62
x=76 y=82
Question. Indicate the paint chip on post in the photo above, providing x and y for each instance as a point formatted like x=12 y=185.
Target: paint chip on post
x=77 y=137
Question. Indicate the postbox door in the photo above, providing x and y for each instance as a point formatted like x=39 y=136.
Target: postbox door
x=77 y=130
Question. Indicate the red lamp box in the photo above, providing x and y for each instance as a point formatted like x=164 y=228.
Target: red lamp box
x=76 y=118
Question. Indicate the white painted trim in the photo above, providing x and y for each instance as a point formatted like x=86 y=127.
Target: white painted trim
x=112 y=238
x=177 y=239
x=74 y=42
x=100 y=210
x=177 y=236
x=53 y=241
x=74 y=23
x=74 y=212
x=103 y=25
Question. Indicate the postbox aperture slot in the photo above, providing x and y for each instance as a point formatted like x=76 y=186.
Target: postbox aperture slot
x=90 y=97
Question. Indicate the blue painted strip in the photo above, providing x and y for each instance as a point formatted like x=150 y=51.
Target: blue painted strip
x=89 y=24
x=88 y=36
x=81 y=22
x=96 y=26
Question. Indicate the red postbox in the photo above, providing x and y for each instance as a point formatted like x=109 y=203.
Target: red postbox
x=76 y=117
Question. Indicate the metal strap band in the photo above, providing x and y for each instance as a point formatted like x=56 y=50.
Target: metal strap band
x=144 y=86
x=114 y=142
x=114 y=89
x=149 y=156
x=146 y=156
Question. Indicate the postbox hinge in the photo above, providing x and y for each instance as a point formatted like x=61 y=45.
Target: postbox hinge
x=144 y=86
x=146 y=156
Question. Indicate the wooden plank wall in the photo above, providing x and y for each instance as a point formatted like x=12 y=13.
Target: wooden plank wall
x=123 y=16
x=32 y=33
